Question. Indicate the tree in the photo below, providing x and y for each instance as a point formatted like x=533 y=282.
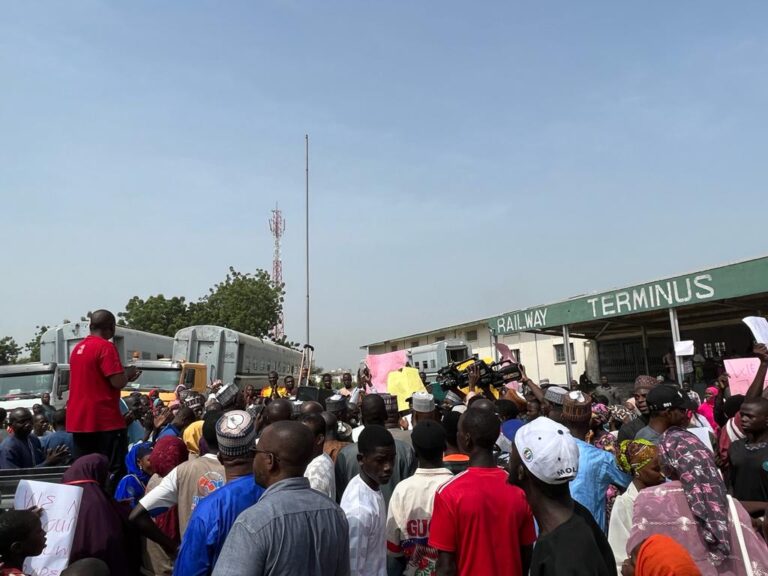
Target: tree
x=249 y=303
x=156 y=314
x=9 y=350
x=33 y=346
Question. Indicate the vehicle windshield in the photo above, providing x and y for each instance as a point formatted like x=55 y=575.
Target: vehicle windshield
x=165 y=379
x=30 y=385
x=457 y=354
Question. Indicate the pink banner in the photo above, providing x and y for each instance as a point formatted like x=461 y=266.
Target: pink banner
x=381 y=365
x=741 y=373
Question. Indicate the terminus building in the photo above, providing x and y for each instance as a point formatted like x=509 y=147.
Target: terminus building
x=623 y=332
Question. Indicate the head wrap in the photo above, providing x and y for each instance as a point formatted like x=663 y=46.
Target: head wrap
x=683 y=456
x=192 y=436
x=621 y=413
x=660 y=555
x=169 y=452
x=600 y=414
x=136 y=453
x=645 y=383
x=635 y=455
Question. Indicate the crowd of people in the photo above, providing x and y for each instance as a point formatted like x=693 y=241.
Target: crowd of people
x=527 y=478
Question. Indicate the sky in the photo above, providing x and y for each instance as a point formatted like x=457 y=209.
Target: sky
x=466 y=159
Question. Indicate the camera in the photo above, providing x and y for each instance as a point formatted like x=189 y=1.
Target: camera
x=456 y=374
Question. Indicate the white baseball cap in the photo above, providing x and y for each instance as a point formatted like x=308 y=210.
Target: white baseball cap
x=548 y=451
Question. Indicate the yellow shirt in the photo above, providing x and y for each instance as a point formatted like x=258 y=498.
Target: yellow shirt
x=267 y=392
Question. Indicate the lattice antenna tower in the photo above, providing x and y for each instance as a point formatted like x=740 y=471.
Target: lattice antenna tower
x=277 y=227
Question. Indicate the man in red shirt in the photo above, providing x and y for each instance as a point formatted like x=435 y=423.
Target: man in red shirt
x=93 y=410
x=481 y=524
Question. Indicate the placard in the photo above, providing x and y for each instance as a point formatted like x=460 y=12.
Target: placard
x=759 y=327
x=684 y=348
x=60 y=504
x=381 y=365
x=741 y=373
x=404 y=384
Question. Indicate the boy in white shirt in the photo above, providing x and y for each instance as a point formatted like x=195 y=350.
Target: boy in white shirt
x=363 y=503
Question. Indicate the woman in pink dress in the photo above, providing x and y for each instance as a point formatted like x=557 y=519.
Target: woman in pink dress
x=695 y=510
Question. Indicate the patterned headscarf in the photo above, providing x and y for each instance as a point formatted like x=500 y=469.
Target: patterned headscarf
x=600 y=414
x=684 y=457
x=634 y=455
x=621 y=413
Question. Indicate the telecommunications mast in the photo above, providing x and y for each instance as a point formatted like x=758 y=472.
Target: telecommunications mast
x=277 y=227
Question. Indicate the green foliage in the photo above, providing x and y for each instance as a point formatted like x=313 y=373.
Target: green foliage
x=9 y=350
x=156 y=314
x=33 y=346
x=249 y=303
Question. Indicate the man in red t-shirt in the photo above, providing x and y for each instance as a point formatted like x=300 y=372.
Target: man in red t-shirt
x=93 y=410
x=481 y=524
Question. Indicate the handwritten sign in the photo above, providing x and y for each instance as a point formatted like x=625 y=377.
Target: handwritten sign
x=60 y=506
x=403 y=384
x=741 y=373
x=381 y=365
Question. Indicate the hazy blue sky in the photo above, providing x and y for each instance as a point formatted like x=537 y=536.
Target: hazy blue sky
x=468 y=158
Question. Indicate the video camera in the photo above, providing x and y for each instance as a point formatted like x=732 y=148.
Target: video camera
x=456 y=374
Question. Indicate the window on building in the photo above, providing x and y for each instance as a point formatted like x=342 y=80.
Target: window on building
x=432 y=364
x=714 y=349
x=471 y=335
x=560 y=354
x=393 y=348
x=414 y=343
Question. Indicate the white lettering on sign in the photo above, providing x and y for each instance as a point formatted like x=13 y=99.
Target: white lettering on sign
x=607 y=302
x=707 y=291
x=661 y=294
x=522 y=321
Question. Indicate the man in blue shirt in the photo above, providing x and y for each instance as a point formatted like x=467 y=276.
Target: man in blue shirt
x=22 y=449
x=184 y=417
x=213 y=516
x=60 y=436
x=597 y=468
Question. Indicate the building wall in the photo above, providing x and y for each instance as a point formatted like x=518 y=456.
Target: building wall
x=537 y=351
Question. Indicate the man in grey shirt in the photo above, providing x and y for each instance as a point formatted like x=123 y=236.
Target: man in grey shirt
x=668 y=407
x=292 y=529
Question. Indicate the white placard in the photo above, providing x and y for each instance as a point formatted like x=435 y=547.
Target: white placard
x=702 y=434
x=684 y=348
x=759 y=327
x=60 y=504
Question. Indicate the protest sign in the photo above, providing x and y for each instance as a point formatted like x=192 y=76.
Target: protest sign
x=741 y=373
x=403 y=384
x=381 y=365
x=60 y=504
x=703 y=435
x=684 y=348
x=759 y=327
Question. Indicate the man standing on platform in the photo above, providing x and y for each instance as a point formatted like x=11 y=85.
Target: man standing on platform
x=93 y=411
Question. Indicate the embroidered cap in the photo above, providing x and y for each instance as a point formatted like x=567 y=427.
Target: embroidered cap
x=236 y=432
